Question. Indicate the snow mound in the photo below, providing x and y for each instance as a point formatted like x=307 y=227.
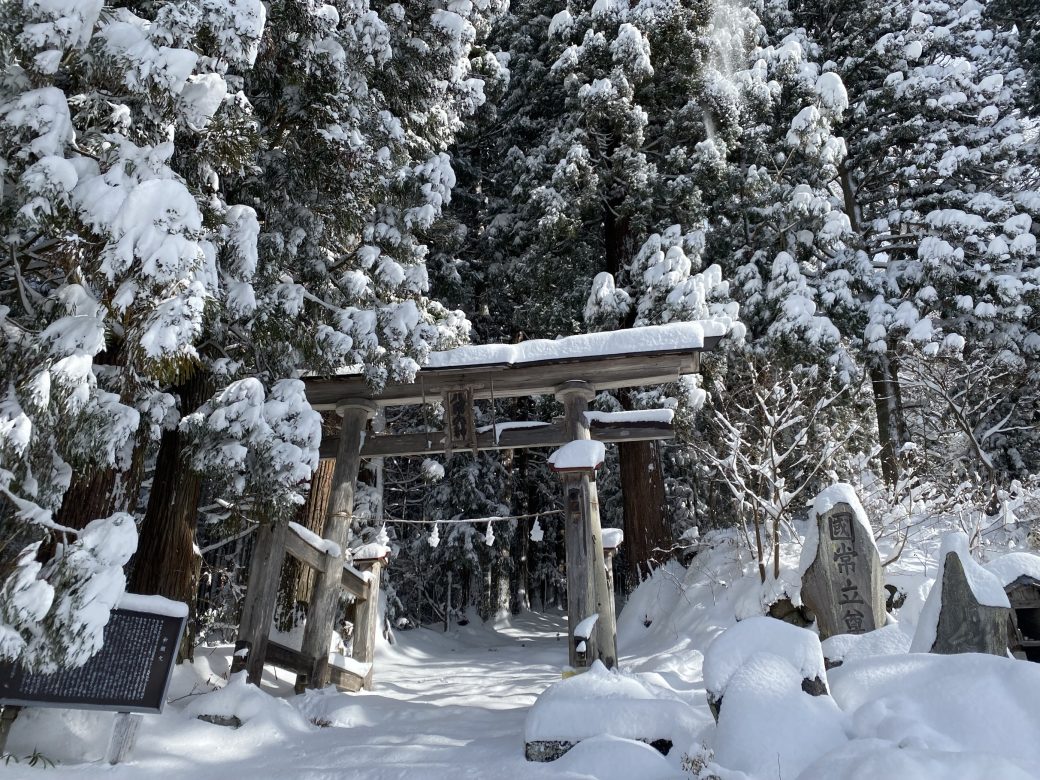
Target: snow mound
x=888 y=640
x=966 y=702
x=870 y=759
x=769 y=727
x=1010 y=567
x=985 y=586
x=655 y=599
x=612 y=758
x=611 y=702
x=798 y=647
x=239 y=699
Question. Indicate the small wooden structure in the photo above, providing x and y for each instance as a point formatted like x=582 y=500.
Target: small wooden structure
x=1024 y=595
x=359 y=578
x=574 y=369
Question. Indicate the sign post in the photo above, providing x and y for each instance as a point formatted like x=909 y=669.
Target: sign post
x=129 y=674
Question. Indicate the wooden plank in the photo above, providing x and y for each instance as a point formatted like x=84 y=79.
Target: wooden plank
x=304 y=553
x=356 y=585
x=504 y=381
x=346 y=680
x=460 y=424
x=287 y=658
x=260 y=600
x=547 y=435
x=366 y=621
x=580 y=593
x=321 y=612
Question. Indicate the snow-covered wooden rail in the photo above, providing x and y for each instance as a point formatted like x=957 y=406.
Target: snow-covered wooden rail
x=359 y=578
x=573 y=369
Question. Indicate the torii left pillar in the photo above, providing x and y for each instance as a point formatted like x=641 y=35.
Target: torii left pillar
x=321 y=611
x=588 y=591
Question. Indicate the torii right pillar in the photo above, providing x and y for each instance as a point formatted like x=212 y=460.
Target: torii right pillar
x=588 y=590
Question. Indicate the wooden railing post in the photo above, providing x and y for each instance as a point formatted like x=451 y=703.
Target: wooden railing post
x=366 y=619
x=588 y=592
x=260 y=600
x=321 y=611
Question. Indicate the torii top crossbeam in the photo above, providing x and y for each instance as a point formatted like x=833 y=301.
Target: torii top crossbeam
x=605 y=361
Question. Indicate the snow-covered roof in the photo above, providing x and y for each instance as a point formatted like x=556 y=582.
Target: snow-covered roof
x=1010 y=567
x=654 y=338
x=633 y=416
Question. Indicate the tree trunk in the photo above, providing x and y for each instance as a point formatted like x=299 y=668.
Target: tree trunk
x=166 y=562
x=91 y=495
x=522 y=542
x=297 y=580
x=888 y=404
x=615 y=240
x=648 y=541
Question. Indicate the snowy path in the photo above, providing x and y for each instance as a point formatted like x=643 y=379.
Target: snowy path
x=445 y=707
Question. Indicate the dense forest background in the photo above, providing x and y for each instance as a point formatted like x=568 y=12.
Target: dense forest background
x=203 y=201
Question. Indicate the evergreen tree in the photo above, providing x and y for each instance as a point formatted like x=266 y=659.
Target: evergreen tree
x=934 y=186
x=118 y=251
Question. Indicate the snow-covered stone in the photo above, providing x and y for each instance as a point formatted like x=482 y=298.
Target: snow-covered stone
x=967 y=609
x=610 y=702
x=732 y=649
x=842 y=583
x=770 y=727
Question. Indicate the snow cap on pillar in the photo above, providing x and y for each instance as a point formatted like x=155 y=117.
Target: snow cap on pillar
x=357 y=403
x=578 y=456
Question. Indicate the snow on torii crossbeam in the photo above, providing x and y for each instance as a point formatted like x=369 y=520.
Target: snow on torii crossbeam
x=574 y=368
x=604 y=361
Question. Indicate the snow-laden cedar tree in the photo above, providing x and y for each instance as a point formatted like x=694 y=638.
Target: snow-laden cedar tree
x=117 y=249
x=935 y=184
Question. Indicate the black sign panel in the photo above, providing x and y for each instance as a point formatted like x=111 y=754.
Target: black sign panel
x=129 y=674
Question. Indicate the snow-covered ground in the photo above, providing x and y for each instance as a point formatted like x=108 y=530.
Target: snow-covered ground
x=446 y=706
x=458 y=705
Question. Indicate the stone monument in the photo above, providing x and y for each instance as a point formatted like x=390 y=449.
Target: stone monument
x=967 y=610
x=842 y=584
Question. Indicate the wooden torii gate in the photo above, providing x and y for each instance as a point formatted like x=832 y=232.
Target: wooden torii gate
x=573 y=369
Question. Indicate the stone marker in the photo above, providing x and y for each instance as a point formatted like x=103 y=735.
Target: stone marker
x=842 y=586
x=965 y=625
x=546 y=750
